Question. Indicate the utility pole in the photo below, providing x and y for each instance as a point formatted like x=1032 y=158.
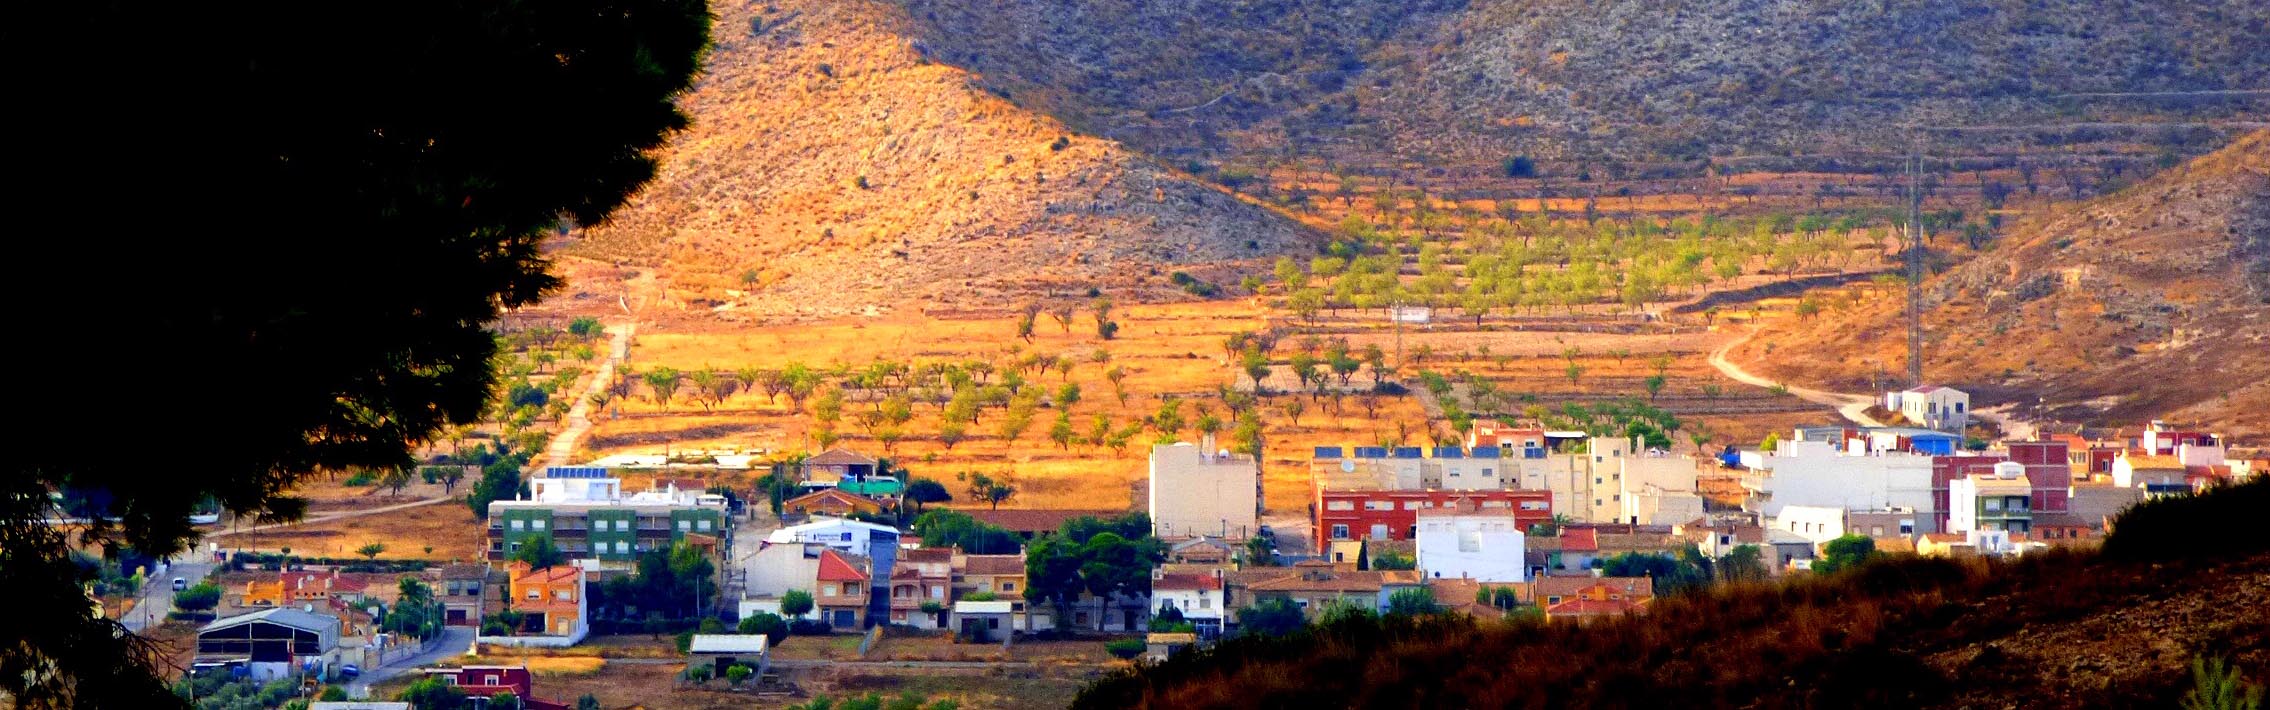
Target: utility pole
x=1915 y=270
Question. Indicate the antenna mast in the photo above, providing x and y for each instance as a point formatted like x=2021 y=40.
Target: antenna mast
x=1915 y=270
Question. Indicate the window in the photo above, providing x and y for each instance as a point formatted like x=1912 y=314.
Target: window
x=1339 y=505
x=685 y=525
x=622 y=548
x=622 y=526
x=1205 y=603
x=1533 y=505
x=1993 y=505
x=1596 y=480
x=1486 y=473
x=1339 y=532
x=1410 y=505
x=562 y=594
x=1497 y=504
x=1379 y=505
x=702 y=525
x=1552 y=600
x=537 y=524
x=519 y=524
x=534 y=593
x=1597 y=501
x=847 y=537
x=1876 y=531
x=1008 y=586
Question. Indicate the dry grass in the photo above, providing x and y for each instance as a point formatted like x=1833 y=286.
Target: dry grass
x=1172 y=349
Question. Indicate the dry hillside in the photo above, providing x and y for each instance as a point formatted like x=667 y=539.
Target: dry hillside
x=1383 y=85
x=2151 y=302
x=832 y=169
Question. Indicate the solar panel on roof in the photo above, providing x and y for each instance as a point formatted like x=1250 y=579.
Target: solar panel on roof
x=575 y=472
x=1371 y=452
x=1407 y=452
x=1449 y=452
x=1328 y=452
x=1485 y=452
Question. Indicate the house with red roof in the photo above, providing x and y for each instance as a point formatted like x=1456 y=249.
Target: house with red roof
x=843 y=580
x=1583 y=598
x=486 y=681
x=1198 y=596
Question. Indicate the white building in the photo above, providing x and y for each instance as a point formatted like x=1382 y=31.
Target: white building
x=1468 y=544
x=774 y=571
x=1657 y=490
x=1816 y=474
x=1199 y=597
x=2000 y=502
x=1817 y=524
x=1196 y=490
x=1932 y=407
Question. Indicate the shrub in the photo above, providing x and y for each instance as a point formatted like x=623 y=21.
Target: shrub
x=770 y=625
x=1125 y=648
x=809 y=627
x=363 y=478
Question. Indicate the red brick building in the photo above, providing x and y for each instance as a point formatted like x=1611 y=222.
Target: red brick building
x=2049 y=469
x=1394 y=515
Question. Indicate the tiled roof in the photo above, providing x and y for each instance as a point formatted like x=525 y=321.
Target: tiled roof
x=465 y=572
x=1302 y=580
x=1200 y=582
x=1592 y=607
x=1549 y=586
x=555 y=573
x=1581 y=540
x=994 y=565
x=838 y=457
x=927 y=554
x=2154 y=461
x=834 y=567
x=1036 y=520
x=828 y=494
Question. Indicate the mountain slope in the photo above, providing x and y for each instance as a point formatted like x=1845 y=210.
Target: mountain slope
x=2153 y=302
x=831 y=168
x=1382 y=83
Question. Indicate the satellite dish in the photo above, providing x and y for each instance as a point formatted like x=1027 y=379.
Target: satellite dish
x=1347 y=466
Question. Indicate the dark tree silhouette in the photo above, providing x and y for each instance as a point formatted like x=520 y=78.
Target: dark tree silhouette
x=318 y=209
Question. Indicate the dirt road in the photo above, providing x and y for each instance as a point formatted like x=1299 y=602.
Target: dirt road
x=561 y=452
x=1853 y=407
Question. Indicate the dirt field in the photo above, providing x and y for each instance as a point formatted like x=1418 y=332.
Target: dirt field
x=1176 y=350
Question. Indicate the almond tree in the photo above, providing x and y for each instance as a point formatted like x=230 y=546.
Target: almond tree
x=664 y=382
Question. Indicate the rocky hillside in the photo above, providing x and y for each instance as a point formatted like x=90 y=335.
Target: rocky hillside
x=2148 y=303
x=833 y=168
x=1382 y=84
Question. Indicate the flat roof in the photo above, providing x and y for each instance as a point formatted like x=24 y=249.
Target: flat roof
x=983 y=607
x=727 y=643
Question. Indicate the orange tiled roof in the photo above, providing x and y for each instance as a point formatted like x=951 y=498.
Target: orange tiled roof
x=1200 y=582
x=994 y=564
x=835 y=568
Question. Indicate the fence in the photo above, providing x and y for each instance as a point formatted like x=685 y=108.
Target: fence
x=874 y=636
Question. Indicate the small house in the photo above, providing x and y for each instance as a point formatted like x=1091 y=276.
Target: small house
x=723 y=651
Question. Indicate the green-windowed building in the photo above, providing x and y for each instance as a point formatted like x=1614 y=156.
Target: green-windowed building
x=585 y=513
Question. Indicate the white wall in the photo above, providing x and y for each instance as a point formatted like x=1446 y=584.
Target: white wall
x=1816 y=524
x=1198 y=493
x=1194 y=603
x=1489 y=548
x=1811 y=473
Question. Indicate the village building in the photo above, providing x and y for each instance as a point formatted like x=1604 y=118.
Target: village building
x=1196 y=490
x=1467 y=543
x=585 y=513
x=1932 y=407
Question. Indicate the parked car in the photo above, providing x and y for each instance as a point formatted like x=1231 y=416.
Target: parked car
x=1266 y=532
x=180 y=584
x=350 y=671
